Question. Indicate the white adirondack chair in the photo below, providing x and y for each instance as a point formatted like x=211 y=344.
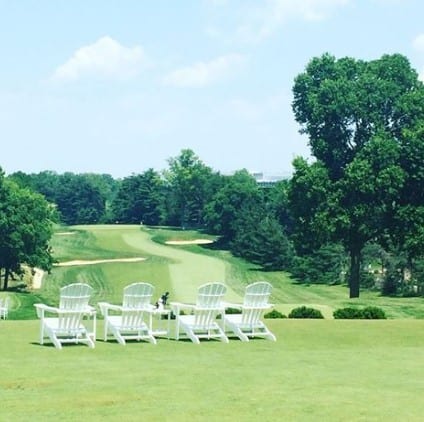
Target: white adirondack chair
x=128 y=321
x=4 y=307
x=202 y=322
x=68 y=325
x=248 y=323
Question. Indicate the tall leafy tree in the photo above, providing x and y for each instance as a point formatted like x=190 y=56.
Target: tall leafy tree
x=79 y=200
x=25 y=230
x=239 y=195
x=357 y=116
x=140 y=198
x=190 y=185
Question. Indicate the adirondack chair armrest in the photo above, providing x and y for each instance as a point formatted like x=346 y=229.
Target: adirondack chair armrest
x=91 y=310
x=264 y=307
x=106 y=307
x=42 y=308
x=177 y=307
x=233 y=305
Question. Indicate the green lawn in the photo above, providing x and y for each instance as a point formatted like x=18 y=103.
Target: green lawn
x=318 y=370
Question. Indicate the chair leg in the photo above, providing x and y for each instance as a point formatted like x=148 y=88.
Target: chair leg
x=239 y=333
x=152 y=339
x=118 y=336
x=270 y=336
x=105 y=330
x=222 y=335
x=55 y=340
x=191 y=335
x=90 y=342
x=41 y=333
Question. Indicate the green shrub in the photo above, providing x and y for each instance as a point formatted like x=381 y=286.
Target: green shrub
x=305 y=312
x=372 y=312
x=348 y=313
x=233 y=311
x=274 y=314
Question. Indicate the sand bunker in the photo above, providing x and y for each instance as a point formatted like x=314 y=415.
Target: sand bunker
x=38 y=273
x=64 y=233
x=97 y=261
x=189 y=242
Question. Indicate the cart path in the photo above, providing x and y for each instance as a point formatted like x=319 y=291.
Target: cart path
x=188 y=270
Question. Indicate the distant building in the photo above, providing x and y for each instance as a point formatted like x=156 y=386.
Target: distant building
x=268 y=180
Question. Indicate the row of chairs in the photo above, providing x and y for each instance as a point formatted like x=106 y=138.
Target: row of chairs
x=207 y=318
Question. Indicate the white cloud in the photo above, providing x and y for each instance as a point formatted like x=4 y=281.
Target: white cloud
x=418 y=42
x=105 y=58
x=264 y=21
x=204 y=73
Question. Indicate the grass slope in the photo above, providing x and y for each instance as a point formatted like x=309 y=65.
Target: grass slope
x=324 y=370
x=180 y=270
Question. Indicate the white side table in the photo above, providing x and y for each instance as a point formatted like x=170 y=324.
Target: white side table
x=91 y=316
x=160 y=330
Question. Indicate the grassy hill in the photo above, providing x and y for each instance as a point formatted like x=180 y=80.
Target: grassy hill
x=180 y=269
x=329 y=370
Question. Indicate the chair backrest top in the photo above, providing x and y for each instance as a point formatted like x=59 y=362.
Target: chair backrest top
x=137 y=295
x=75 y=296
x=210 y=295
x=257 y=294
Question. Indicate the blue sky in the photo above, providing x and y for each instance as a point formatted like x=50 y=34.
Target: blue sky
x=119 y=87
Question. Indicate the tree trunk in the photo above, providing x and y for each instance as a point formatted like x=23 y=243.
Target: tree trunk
x=6 y=279
x=355 y=265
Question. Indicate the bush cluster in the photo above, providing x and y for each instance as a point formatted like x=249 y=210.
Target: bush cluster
x=305 y=312
x=274 y=314
x=369 y=312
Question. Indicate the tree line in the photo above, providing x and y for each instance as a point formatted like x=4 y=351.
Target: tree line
x=354 y=214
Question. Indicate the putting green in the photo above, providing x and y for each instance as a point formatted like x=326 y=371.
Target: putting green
x=188 y=270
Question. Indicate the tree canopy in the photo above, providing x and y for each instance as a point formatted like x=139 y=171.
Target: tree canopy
x=364 y=121
x=25 y=230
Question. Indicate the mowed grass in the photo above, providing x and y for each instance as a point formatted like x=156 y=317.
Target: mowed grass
x=180 y=270
x=318 y=370
x=326 y=370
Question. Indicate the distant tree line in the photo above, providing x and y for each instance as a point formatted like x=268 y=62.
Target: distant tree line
x=355 y=214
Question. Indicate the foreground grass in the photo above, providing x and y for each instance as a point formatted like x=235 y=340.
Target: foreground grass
x=324 y=370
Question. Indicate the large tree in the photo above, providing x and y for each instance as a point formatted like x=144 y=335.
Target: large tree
x=140 y=198
x=239 y=197
x=190 y=185
x=25 y=230
x=359 y=117
x=80 y=198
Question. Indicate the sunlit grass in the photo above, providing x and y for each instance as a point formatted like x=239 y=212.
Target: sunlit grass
x=329 y=370
x=326 y=370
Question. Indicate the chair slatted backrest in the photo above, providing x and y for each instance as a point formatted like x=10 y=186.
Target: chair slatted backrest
x=255 y=301
x=209 y=303
x=137 y=298
x=74 y=298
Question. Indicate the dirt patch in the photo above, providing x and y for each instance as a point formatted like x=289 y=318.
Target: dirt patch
x=189 y=242
x=37 y=278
